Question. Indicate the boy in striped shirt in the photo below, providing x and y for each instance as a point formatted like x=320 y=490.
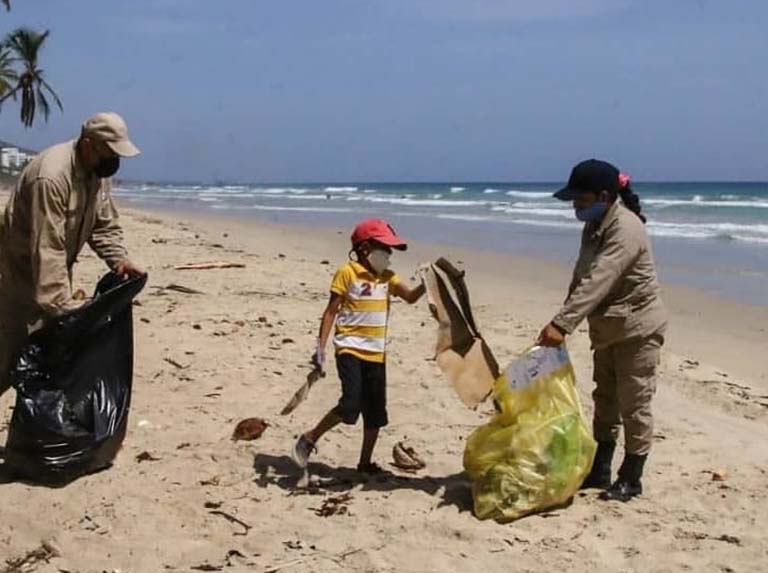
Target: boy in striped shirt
x=359 y=306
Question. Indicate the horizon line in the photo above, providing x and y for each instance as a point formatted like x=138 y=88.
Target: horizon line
x=331 y=182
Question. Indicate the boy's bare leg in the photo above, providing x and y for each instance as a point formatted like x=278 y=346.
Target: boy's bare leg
x=370 y=435
x=329 y=421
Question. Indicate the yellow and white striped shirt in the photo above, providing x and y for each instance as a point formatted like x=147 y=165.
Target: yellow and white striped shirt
x=361 y=324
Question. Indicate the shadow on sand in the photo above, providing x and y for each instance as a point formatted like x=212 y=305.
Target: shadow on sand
x=282 y=472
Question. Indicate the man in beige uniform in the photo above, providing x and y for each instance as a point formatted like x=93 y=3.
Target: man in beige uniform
x=615 y=288
x=62 y=201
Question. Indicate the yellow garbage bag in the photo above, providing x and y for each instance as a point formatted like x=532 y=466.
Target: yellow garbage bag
x=536 y=450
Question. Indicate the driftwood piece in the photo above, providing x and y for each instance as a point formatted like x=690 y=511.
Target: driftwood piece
x=175 y=363
x=302 y=393
x=209 y=265
x=233 y=519
x=278 y=567
x=176 y=288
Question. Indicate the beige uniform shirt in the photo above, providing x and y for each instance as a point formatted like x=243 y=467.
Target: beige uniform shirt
x=614 y=283
x=55 y=209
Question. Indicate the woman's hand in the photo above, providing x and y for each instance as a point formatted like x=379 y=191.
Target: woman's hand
x=551 y=335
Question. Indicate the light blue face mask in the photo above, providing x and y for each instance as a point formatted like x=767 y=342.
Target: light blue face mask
x=592 y=213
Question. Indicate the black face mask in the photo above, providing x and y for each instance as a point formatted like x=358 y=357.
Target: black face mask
x=107 y=167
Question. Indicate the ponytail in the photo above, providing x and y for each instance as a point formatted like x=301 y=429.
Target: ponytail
x=629 y=197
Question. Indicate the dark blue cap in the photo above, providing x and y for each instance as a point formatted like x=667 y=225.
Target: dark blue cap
x=588 y=176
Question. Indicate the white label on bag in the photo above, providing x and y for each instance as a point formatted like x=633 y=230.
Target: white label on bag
x=538 y=362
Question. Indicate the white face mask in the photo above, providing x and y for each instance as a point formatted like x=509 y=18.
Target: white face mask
x=379 y=260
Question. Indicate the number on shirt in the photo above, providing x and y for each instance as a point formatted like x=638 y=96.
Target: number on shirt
x=366 y=289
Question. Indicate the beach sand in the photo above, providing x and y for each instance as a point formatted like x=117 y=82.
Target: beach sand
x=240 y=349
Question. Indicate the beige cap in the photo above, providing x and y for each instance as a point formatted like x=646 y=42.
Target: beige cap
x=112 y=130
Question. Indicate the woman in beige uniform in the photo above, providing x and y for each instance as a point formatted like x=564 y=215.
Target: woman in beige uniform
x=615 y=288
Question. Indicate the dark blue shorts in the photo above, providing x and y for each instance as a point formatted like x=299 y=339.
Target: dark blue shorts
x=363 y=391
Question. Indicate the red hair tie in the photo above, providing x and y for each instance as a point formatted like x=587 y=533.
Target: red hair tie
x=623 y=180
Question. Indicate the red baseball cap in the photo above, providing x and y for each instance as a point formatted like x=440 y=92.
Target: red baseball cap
x=377 y=230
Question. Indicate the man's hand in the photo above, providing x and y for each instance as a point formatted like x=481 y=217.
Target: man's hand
x=126 y=269
x=550 y=335
x=79 y=298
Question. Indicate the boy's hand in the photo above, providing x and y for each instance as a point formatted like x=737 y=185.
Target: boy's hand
x=407 y=294
x=318 y=358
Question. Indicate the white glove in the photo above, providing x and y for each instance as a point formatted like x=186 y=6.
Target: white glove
x=318 y=358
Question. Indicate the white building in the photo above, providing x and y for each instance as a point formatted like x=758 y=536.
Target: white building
x=13 y=159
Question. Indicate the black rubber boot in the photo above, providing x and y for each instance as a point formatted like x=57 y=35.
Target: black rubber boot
x=628 y=484
x=600 y=474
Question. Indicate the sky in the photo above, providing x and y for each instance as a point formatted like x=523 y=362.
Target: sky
x=410 y=90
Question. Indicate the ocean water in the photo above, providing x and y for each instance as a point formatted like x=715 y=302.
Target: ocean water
x=710 y=235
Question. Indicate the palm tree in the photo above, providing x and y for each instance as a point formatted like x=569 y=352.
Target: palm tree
x=24 y=44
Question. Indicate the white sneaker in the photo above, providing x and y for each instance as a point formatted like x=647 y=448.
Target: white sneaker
x=302 y=449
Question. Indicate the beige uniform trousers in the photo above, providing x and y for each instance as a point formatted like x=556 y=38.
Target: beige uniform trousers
x=625 y=375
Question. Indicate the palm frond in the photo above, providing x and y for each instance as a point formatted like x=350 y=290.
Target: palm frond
x=6 y=58
x=28 y=105
x=7 y=74
x=46 y=86
x=42 y=102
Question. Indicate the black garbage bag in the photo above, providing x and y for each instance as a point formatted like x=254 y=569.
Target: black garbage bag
x=73 y=383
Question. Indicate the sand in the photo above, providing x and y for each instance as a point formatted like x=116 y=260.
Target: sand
x=240 y=349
